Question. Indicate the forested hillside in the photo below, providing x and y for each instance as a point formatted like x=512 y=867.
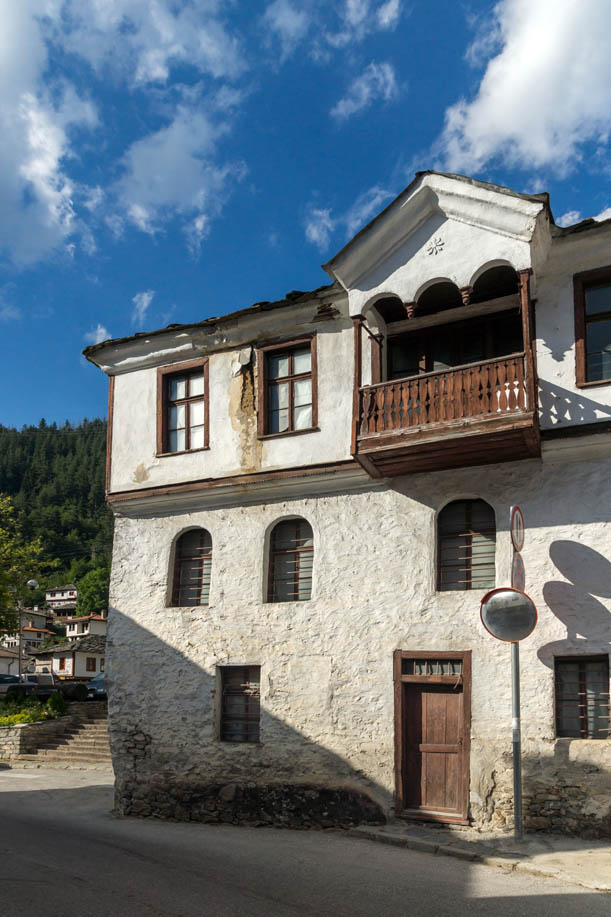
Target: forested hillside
x=55 y=477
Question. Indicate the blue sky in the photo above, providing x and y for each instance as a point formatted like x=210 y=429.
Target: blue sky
x=168 y=160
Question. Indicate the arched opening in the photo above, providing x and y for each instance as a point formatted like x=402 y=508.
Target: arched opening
x=494 y=283
x=439 y=297
x=390 y=309
x=192 y=569
x=291 y=561
x=466 y=546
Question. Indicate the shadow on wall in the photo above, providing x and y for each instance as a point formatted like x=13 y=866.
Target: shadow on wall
x=558 y=404
x=574 y=603
x=164 y=724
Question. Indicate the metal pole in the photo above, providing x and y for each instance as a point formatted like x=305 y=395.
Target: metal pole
x=19 y=639
x=515 y=730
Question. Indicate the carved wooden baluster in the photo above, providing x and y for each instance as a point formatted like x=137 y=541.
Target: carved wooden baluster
x=396 y=420
x=502 y=383
x=520 y=383
x=379 y=406
x=512 y=380
x=364 y=412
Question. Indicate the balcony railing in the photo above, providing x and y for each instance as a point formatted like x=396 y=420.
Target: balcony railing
x=491 y=387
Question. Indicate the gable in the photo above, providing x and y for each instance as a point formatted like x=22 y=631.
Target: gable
x=441 y=228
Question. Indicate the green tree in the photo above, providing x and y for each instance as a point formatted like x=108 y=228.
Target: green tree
x=93 y=592
x=20 y=560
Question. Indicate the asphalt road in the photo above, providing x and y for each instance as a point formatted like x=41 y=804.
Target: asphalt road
x=63 y=854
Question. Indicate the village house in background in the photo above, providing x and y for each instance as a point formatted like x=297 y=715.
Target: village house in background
x=77 y=659
x=62 y=598
x=311 y=498
x=9 y=661
x=34 y=630
x=85 y=625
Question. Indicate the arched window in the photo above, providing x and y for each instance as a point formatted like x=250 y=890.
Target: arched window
x=495 y=282
x=291 y=557
x=192 y=567
x=466 y=542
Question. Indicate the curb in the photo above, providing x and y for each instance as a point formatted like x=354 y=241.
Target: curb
x=509 y=864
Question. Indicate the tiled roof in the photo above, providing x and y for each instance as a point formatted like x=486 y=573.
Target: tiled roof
x=93 y=643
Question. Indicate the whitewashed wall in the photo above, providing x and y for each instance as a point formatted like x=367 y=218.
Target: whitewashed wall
x=327 y=690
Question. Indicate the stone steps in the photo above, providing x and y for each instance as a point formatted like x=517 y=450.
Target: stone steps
x=85 y=742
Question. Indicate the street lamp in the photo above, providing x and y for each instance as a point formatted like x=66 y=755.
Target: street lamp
x=31 y=584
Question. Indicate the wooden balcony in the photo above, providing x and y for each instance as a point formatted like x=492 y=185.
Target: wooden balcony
x=475 y=414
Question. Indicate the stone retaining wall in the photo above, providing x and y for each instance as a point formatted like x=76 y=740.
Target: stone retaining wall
x=25 y=738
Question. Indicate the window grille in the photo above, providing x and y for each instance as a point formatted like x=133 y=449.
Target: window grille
x=240 y=709
x=466 y=545
x=291 y=562
x=192 y=568
x=582 y=698
x=431 y=667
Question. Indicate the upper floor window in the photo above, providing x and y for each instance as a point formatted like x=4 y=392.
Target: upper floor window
x=182 y=407
x=593 y=326
x=287 y=387
x=582 y=697
x=192 y=568
x=291 y=558
x=466 y=543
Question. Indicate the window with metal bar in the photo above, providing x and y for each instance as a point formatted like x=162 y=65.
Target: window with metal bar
x=291 y=562
x=466 y=545
x=240 y=703
x=582 y=697
x=192 y=568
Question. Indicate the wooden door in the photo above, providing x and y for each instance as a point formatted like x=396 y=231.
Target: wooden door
x=433 y=745
x=433 y=739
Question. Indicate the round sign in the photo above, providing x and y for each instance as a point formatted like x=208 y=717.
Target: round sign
x=508 y=614
x=517 y=528
x=518 y=573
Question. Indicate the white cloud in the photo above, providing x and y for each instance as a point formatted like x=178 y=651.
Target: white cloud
x=569 y=218
x=318 y=227
x=388 y=14
x=287 y=23
x=544 y=93
x=377 y=82
x=321 y=224
x=7 y=313
x=366 y=206
x=603 y=215
x=141 y=303
x=99 y=334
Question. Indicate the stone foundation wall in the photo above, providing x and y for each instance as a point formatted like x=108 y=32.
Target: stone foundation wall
x=26 y=737
x=281 y=805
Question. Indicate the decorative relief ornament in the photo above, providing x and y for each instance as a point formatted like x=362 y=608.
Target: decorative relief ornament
x=435 y=245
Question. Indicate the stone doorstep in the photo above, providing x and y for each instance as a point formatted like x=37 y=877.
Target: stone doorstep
x=533 y=856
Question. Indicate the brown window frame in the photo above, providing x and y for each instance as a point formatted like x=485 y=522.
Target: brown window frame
x=164 y=374
x=584 y=727
x=469 y=568
x=250 y=718
x=62 y=664
x=179 y=559
x=298 y=552
x=90 y=664
x=581 y=282
x=288 y=346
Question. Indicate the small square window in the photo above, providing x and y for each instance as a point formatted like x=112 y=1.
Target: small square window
x=240 y=703
x=582 y=697
x=182 y=407
x=90 y=664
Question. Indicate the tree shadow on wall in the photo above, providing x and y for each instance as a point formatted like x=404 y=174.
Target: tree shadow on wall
x=576 y=603
x=164 y=726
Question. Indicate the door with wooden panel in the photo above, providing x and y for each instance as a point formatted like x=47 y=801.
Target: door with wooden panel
x=433 y=735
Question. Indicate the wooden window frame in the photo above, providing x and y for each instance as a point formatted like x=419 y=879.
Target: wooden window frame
x=164 y=373
x=581 y=282
x=399 y=702
x=580 y=660
x=262 y=387
x=225 y=718
x=175 y=597
x=469 y=572
x=271 y=585
x=90 y=664
x=61 y=667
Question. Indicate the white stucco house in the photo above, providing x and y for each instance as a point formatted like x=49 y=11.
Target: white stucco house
x=312 y=496
x=84 y=625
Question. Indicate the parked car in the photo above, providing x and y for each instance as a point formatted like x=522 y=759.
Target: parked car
x=44 y=684
x=5 y=681
x=96 y=688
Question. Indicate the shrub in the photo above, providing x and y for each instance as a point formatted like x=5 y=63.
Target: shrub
x=56 y=705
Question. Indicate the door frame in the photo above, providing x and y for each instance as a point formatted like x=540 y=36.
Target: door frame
x=400 y=680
